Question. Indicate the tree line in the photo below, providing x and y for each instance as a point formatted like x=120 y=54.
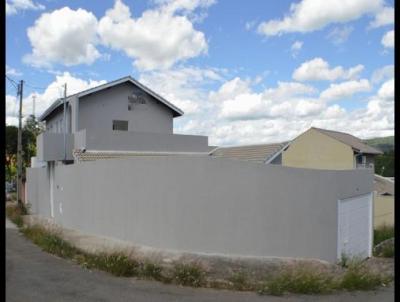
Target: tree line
x=30 y=130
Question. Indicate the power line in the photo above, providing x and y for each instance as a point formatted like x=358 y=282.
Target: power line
x=14 y=83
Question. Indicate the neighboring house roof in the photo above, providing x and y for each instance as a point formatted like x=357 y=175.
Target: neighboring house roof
x=59 y=102
x=350 y=140
x=257 y=153
x=383 y=185
x=92 y=155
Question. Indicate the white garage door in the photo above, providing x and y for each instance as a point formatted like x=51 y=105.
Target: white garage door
x=355 y=226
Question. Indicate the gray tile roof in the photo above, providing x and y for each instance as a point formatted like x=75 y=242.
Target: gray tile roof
x=350 y=140
x=256 y=153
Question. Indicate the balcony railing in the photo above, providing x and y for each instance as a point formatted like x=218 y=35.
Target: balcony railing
x=365 y=166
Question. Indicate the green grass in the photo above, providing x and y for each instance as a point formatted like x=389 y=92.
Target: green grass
x=240 y=281
x=383 y=233
x=152 y=271
x=116 y=264
x=15 y=213
x=305 y=280
x=358 y=277
x=189 y=275
x=300 y=280
x=50 y=242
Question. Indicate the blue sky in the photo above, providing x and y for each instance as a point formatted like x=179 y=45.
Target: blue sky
x=244 y=72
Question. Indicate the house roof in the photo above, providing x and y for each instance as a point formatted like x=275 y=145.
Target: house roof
x=257 y=153
x=59 y=102
x=357 y=144
x=92 y=155
x=383 y=185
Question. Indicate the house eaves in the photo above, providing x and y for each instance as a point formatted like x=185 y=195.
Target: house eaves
x=59 y=102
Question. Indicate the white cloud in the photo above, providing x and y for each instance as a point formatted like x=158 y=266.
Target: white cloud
x=14 y=6
x=296 y=47
x=318 y=69
x=230 y=89
x=345 y=89
x=388 y=39
x=310 y=15
x=63 y=36
x=183 y=86
x=240 y=115
x=340 y=35
x=43 y=100
x=384 y=17
x=386 y=92
x=382 y=74
x=158 y=38
x=12 y=71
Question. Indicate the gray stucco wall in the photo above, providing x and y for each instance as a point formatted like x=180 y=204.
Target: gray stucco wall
x=38 y=191
x=139 y=141
x=50 y=146
x=203 y=204
x=98 y=110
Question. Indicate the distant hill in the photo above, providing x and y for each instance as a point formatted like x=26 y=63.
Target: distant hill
x=386 y=144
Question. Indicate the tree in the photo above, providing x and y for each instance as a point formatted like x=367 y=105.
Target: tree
x=11 y=151
x=30 y=130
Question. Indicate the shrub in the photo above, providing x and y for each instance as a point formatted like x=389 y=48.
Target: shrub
x=188 y=275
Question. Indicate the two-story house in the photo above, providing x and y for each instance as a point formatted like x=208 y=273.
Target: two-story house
x=326 y=149
x=121 y=115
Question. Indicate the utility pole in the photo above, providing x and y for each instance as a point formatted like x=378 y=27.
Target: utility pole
x=33 y=105
x=65 y=122
x=19 y=148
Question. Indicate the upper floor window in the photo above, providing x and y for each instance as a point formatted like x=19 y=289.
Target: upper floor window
x=120 y=125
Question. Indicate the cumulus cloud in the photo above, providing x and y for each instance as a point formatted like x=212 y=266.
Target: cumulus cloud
x=63 y=36
x=384 y=17
x=43 y=100
x=157 y=39
x=243 y=115
x=318 y=69
x=382 y=74
x=15 y=6
x=12 y=71
x=340 y=35
x=185 y=87
x=310 y=15
x=345 y=89
x=388 y=39
x=296 y=47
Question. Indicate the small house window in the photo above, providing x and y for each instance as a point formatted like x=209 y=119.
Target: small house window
x=120 y=125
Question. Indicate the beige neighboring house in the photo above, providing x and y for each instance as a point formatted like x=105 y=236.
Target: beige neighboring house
x=325 y=149
x=383 y=201
x=332 y=150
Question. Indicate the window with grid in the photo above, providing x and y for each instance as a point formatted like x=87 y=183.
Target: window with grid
x=120 y=125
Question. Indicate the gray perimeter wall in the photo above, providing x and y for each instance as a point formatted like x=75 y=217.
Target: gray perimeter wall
x=203 y=204
x=38 y=190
